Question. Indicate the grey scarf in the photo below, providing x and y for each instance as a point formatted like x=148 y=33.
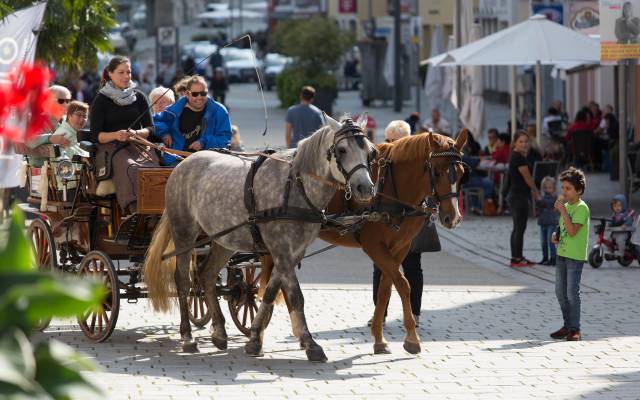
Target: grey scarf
x=119 y=96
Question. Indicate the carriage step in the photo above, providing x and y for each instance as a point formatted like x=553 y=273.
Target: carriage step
x=127 y=229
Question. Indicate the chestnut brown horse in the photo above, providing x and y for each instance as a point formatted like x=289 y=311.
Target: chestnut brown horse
x=417 y=167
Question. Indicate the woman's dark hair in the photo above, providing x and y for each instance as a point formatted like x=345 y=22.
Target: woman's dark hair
x=553 y=111
x=575 y=178
x=505 y=138
x=581 y=116
x=518 y=135
x=113 y=64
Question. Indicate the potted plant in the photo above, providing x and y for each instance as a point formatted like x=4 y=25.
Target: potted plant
x=316 y=46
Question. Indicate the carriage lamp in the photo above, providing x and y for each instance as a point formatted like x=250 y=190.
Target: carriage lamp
x=65 y=170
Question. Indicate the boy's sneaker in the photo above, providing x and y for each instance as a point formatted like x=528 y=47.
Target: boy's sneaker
x=529 y=262
x=519 y=263
x=545 y=261
x=574 y=336
x=561 y=333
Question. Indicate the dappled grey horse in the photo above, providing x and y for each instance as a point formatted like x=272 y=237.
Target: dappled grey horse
x=207 y=192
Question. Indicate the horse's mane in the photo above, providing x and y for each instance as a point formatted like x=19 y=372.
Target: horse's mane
x=415 y=147
x=309 y=153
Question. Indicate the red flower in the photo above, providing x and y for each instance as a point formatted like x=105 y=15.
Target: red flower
x=28 y=99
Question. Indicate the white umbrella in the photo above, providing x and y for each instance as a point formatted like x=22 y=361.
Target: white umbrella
x=472 y=112
x=434 y=84
x=536 y=41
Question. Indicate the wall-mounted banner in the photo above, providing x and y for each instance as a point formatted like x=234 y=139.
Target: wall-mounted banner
x=619 y=30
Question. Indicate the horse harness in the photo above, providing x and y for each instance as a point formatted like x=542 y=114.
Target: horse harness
x=387 y=212
x=312 y=214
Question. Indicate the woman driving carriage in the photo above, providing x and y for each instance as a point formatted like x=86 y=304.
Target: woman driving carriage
x=120 y=111
x=194 y=122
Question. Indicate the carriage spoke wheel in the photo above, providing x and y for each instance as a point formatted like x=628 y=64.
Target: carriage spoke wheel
x=98 y=324
x=199 y=313
x=44 y=250
x=243 y=305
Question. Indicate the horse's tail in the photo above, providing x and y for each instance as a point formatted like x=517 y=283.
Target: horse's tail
x=158 y=273
x=266 y=269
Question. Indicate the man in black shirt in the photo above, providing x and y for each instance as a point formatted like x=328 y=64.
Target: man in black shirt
x=191 y=127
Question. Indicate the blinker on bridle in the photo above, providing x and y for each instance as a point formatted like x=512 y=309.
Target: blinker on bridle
x=456 y=159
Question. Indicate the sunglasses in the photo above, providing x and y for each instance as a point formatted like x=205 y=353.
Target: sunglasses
x=64 y=101
x=196 y=94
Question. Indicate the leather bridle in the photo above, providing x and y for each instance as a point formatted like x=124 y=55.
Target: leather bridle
x=349 y=130
x=455 y=157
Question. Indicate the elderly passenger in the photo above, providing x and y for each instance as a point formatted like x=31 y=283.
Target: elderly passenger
x=161 y=98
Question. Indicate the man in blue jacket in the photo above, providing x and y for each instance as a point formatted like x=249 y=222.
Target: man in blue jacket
x=195 y=122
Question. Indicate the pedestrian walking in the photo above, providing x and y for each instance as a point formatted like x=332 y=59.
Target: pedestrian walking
x=219 y=86
x=547 y=219
x=521 y=187
x=302 y=119
x=572 y=240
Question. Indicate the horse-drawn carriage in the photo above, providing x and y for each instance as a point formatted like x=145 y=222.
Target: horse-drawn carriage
x=79 y=228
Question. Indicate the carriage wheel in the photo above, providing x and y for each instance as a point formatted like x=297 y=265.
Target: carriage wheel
x=98 y=324
x=243 y=305
x=199 y=313
x=44 y=250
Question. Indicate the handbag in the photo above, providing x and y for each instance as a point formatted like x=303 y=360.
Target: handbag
x=103 y=165
x=427 y=240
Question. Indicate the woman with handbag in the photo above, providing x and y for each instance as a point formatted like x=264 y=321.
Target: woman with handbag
x=120 y=111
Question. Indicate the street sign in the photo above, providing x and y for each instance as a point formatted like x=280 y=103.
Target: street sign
x=167 y=36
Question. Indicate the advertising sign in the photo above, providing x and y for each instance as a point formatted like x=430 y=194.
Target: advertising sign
x=584 y=16
x=619 y=30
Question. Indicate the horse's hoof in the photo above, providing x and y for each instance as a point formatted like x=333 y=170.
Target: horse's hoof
x=381 y=348
x=190 y=347
x=413 y=348
x=316 y=354
x=220 y=343
x=253 y=349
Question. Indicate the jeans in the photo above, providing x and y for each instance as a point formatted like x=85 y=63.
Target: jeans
x=413 y=272
x=548 y=249
x=519 y=206
x=568 y=274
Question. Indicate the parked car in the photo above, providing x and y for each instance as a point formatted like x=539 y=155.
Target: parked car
x=118 y=42
x=200 y=52
x=272 y=66
x=239 y=64
x=140 y=17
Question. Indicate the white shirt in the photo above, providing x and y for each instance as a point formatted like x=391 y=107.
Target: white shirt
x=442 y=126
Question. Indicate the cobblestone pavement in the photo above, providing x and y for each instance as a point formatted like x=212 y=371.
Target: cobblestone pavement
x=484 y=333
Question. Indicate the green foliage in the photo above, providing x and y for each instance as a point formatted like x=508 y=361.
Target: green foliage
x=73 y=31
x=316 y=45
x=291 y=80
x=50 y=370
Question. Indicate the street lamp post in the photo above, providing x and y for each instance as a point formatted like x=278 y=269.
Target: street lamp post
x=397 y=94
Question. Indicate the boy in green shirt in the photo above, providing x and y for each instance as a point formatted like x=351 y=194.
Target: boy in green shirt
x=572 y=245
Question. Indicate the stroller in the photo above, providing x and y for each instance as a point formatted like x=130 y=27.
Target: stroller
x=607 y=249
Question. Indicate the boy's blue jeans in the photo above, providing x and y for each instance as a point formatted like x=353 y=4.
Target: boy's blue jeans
x=568 y=274
x=548 y=248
